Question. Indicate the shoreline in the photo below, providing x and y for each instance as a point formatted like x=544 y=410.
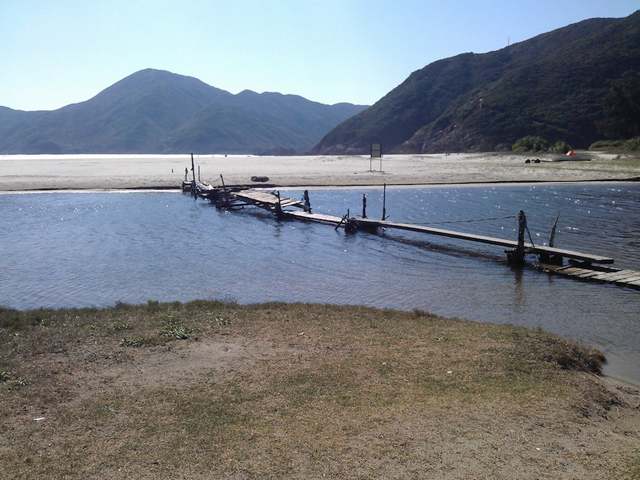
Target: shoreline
x=30 y=173
x=616 y=381
x=178 y=189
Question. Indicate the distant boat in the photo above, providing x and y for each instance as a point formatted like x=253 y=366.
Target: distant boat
x=570 y=156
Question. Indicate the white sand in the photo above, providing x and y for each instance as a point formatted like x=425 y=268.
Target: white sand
x=115 y=172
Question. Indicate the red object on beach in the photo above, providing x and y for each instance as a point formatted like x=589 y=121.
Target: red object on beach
x=571 y=152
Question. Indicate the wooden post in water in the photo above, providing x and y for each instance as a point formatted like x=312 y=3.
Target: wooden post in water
x=279 y=207
x=552 y=259
x=384 y=203
x=552 y=238
x=350 y=225
x=516 y=255
x=307 y=201
x=225 y=200
x=364 y=205
x=193 y=169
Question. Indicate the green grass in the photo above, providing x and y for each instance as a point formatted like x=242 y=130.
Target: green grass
x=210 y=389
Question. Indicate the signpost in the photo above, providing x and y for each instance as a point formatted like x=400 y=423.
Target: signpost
x=376 y=152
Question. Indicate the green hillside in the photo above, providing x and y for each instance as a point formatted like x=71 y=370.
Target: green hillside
x=553 y=85
x=249 y=122
x=155 y=111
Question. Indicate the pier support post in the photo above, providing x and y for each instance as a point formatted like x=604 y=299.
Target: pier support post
x=351 y=226
x=548 y=258
x=278 y=208
x=307 y=201
x=516 y=255
x=384 y=203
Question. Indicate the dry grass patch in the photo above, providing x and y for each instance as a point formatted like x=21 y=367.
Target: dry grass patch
x=212 y=389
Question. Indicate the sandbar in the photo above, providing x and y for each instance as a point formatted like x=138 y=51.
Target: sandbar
x=123 y=172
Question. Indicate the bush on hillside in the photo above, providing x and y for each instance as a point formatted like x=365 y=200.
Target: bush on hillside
x=631 y=145
x=560 y=147
x=606 y=145
x=622 y=108
x=530 y=144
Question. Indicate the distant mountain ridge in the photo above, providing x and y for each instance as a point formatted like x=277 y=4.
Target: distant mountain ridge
x=155 y=111
x=552 y=85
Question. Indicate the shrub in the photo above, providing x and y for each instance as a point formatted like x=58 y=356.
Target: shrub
x=632 y=144
x=177 y=330
x=606 y=145
x=530 y=144
x=560 y=147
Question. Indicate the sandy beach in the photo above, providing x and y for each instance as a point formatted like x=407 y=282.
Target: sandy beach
x=116 y=172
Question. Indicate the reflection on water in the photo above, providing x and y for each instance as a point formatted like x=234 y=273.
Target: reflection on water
x=94 y=249
x=518 y=288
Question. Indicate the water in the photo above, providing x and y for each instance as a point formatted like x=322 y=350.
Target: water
x=63 y=250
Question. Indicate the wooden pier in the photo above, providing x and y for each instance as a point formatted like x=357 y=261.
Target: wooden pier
x=583 y=266
x=529 y=248
x=602 y=274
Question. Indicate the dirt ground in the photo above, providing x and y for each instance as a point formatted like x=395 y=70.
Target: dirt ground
x=303 y=391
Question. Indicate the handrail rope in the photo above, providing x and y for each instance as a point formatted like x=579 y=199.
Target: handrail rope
x=531 y=239
x=467 y=221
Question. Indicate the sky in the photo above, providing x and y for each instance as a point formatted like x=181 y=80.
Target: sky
x=57 y=52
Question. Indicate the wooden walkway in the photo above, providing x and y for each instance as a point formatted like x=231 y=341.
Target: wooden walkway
x=315 y=217
x=266 y=199
x=617 y=276
x=240 y=196
x=531 y=249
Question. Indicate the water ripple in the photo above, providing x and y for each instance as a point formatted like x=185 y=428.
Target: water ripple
x=94 y=249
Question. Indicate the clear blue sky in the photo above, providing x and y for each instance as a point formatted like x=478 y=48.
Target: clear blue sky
x=57 y=52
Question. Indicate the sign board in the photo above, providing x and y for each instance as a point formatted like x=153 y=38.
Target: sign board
x=376 y=150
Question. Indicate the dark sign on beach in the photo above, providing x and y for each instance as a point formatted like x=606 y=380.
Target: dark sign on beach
x=376 y=150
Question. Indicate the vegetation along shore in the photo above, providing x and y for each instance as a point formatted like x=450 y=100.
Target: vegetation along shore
x=212 y=389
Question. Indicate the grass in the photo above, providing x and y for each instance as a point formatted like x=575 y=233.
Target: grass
x=213 y=389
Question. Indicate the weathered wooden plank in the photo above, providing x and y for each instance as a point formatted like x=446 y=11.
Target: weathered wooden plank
x=314 y=217
x=590 y=274
x=587 y=257
x=604 y=276
x=633 y=278
x=558 y=268
x=267 y=199
x=619 y=275
x=368 y=223
x=568 y=270
x=574 y=271
x=602 y=273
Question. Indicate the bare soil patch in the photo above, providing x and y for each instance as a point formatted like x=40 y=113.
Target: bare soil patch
x=218 y=390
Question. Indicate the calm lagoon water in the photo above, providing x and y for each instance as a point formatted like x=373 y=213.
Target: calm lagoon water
x=95 y=249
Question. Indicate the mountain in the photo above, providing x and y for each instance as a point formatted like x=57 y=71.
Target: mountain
x=154 y=111
x=249 y=122
x=553 y=85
